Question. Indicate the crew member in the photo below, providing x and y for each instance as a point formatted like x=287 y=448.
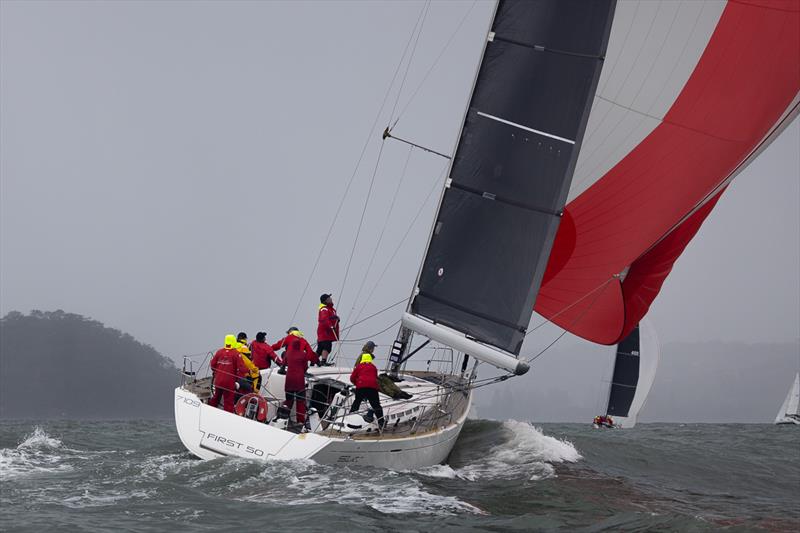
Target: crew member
x=227 y=366
x=297 y=356
x=291 y=334
x=327 y=328
x=263 y=354
x=365 y=378
x=253 y=377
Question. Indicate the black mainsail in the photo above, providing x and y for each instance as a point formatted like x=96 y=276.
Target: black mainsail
x=511 y=173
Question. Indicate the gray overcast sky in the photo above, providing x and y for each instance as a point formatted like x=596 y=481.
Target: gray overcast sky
x=172 y=168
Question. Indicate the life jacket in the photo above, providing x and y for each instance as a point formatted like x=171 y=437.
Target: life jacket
x=327 y=327
x=365 y=376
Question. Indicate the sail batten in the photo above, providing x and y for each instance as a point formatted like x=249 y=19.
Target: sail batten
x=512 y=168
x=525 y=128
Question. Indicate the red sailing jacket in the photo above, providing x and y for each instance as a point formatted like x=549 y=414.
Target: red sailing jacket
x=297 y=359
x=328 y=324
x=365 y=376
x=263 y=355
x=227 y=365
x=284 y=342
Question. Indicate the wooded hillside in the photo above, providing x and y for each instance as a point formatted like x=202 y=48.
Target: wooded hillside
x=63 y=365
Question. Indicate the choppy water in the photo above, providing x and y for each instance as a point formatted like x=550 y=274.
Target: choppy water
x=136 y=476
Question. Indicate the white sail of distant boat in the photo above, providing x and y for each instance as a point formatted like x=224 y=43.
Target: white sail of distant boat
x=635 y=366
x=789 y=412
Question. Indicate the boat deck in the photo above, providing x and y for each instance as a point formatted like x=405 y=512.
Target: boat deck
x=436 y=401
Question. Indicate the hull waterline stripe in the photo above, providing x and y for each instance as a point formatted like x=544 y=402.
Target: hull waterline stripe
x=526 y=128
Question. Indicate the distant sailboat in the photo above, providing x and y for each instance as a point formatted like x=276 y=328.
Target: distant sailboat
x=789 y=412
x=635 y=368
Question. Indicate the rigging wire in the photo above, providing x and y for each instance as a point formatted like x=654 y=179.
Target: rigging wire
x=386 y=268
x=573 y=304
x=355 y=170
x=383 y=231
x=374 y=315
x=421 y=25
x=436 y=184
x=435 y=62
x=361 y=221
x=574 y=322
x=411 y=58
x=393 y=324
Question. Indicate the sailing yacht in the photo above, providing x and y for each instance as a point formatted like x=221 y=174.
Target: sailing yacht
x=486 y=256
x=597 y=138
x=635 y=365
x=789 y=413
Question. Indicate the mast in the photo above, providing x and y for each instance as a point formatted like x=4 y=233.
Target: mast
x=509 y=177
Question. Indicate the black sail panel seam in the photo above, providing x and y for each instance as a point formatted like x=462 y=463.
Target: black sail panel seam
x=540 y=48
x=493 y=197
x=472 y=312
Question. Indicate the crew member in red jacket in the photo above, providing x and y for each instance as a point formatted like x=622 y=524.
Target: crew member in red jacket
x=365 y=378
x=327 y=328
x=227 y=366
x=297 y=356
x=263 y=354
x=291 y=334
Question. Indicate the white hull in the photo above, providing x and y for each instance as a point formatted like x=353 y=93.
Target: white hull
x=209 y=432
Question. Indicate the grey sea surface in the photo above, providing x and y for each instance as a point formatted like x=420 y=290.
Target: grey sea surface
x=501 y=476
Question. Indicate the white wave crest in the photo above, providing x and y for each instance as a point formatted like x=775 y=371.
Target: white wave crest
x=37 y=453
x=383 y=490
x=87 y=499
x=527 y=452
x=444 y=472
x=39 y=439
x=160 y=466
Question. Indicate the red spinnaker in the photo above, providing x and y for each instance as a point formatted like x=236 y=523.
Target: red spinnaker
x=627 y=230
